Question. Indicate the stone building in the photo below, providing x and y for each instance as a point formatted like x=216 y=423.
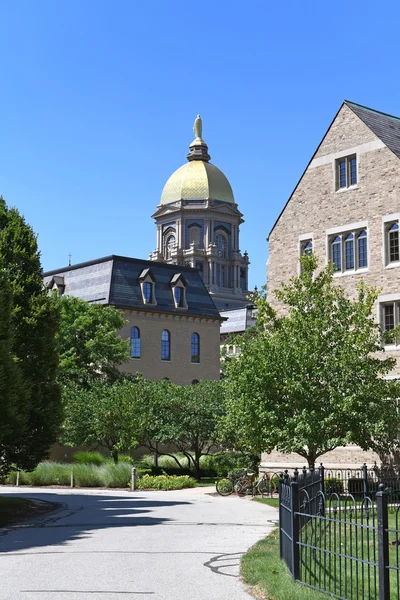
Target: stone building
x=346 y=209
x=198 y=225
x=172 y=323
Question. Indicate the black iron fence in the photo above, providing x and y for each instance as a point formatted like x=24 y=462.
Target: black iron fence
x=339 y=544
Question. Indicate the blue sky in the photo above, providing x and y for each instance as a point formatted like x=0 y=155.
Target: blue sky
x=98 y=99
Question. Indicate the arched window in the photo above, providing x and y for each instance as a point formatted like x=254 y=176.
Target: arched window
x=394 y=254
x=362 y=249
x=230 y=350
x=222 y=245
x=165 y=345
x=199 y=266
x=135 y=342
x=195 y=348
x=349 y=251
x=195 y=381
x=195 y=235
x=337 y=253
x=169 y=245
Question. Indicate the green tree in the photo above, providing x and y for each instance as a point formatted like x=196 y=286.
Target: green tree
x=313 y=379
x=12 y=392
x=34 y=325
x=103 y=415
x=182 y=417
x=90 y=347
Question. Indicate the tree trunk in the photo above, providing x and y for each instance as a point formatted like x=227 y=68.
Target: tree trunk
x=114 y=454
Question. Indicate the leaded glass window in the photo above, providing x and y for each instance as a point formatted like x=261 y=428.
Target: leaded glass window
x=179 y=296
x=170 y=245
x=362 y=250
x=388 y=316
x=346 y=172
x=165 y=345
x=308 y=248
x=337 y=253
x=220 y=275
x=394 y=243
x=135 y=342
x=195 y=348
x=349 y=251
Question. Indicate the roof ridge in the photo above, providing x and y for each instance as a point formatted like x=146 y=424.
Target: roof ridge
x=379 y=112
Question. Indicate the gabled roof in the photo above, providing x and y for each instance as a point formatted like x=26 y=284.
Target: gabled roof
x=386 y=127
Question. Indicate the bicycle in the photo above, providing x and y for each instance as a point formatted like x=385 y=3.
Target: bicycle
x=227 y=485
x=264 y=485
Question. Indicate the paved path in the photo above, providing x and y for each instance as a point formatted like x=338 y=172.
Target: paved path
x=116 y=545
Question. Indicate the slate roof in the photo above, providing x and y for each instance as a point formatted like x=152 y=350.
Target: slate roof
x=383 y=125
x=386 y=127
x=114 y=280
x=238 y=319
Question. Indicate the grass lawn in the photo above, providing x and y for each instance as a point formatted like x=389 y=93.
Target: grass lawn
x=262 y=568
x=14 y=509
x=206 y=481
x=269 y=501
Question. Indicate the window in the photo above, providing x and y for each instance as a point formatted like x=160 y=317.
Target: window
x=195 y=236
x=306 y=247
x=169 y=245
x=349 y=251
x=389 y=316
x=147 y=292
x=195 y=381
x=222 y=245
x=392 y=242
x=147 y=286
x=135 y=342
x=165 y=345
x=179 y=296
x=195 y=348
x=220 y=275
x=346 y=172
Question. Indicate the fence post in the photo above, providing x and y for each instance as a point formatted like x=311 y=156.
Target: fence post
x=17 y=482
x=281 y=482
x=133 y=479
x=72 y=478
x=294 y=494
x=322 y=478
x=365 y=480
x=383 y=543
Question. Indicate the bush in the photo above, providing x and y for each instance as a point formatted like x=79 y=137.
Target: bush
x=223 y=462
x=355 y=486
x=116 y=476
x=89 y=458
x=11 y=478
x=87 y=475
x=163 y=482
x=334 y=485
x=51 y=473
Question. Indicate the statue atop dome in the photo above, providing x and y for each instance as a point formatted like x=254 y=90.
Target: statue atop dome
x=198 y=127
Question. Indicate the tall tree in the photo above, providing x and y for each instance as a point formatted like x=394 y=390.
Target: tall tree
x=12 y=392
x=90 y=347
x=313 y=379
x=103 y=415
x=182 y=417
x=34 y=324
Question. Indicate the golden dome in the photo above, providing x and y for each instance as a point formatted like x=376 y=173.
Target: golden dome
x=197 y=180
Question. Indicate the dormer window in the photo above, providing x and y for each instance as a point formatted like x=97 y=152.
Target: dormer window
x=57 y=285
x=147 y=287
x=178 y=285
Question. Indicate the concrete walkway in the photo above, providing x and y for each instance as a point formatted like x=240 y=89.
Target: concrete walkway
x=183 y=545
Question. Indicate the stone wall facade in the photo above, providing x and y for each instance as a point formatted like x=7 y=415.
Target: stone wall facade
x=179 y=369
x=317 y=210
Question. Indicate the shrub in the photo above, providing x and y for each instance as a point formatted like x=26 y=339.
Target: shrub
x=87 y=475
x=223 y=462
x=164 y=482
x=334 y=485
x=51 y=473
x=355 y=486
x=88 y=458
x=116 y=476
x=24 y=478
